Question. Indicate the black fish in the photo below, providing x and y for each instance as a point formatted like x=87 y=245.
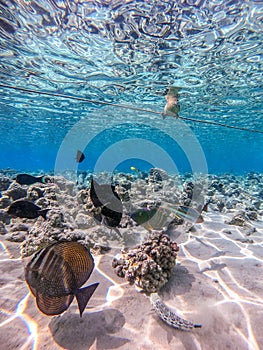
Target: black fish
x=80 y=156
x=26 y=209
x=108 y=201
x=55 y=275
x=26 y=179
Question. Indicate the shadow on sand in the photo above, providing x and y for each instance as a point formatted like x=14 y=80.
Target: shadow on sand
x=179 y=283
x=72 y=332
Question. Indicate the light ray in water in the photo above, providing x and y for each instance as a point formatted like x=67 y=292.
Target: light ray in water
x=4 y=250
x=29 y=322
x=32 y=340
x=115 y=291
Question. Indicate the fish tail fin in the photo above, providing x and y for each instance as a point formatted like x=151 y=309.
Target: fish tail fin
x=40 y=178
x=43 y=213
x=83 y=296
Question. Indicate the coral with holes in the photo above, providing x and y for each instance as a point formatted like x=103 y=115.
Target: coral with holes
x=149 y=265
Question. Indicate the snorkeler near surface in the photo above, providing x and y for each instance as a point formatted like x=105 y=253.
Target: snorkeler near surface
x=172 y=106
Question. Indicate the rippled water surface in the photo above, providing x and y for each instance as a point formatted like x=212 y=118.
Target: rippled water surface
x=128 y=52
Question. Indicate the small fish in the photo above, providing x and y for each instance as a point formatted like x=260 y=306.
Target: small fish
x=106 y=199
x=55 y=275
x=26 y=179
x=141 y=174
x=135 y=169
x=169 y=316
x=80 y=156
x=23 y=208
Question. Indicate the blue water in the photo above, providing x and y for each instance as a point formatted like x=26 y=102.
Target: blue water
x=127 y=53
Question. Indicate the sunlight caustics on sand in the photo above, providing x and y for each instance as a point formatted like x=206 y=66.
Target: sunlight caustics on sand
x=227 y=292
x=20 y=313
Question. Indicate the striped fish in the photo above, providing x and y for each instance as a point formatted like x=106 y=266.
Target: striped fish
x=169 y=316
x=55 y=275
x=157 y=175
x=187 y=213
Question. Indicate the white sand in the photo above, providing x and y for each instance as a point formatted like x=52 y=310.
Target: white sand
x=218 y=282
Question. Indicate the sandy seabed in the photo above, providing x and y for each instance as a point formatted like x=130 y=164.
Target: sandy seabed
x=218 y=282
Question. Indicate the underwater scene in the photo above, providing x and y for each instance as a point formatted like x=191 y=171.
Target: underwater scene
x=131 y=174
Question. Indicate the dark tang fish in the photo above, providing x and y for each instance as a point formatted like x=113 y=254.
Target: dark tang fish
x=25 y=179
x=107 y=199
x=101 y=195
x=26 y=209
x=80 y=156
x=55 y=275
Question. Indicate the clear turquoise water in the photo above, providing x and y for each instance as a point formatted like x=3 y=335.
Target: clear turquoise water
x=128 y=52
